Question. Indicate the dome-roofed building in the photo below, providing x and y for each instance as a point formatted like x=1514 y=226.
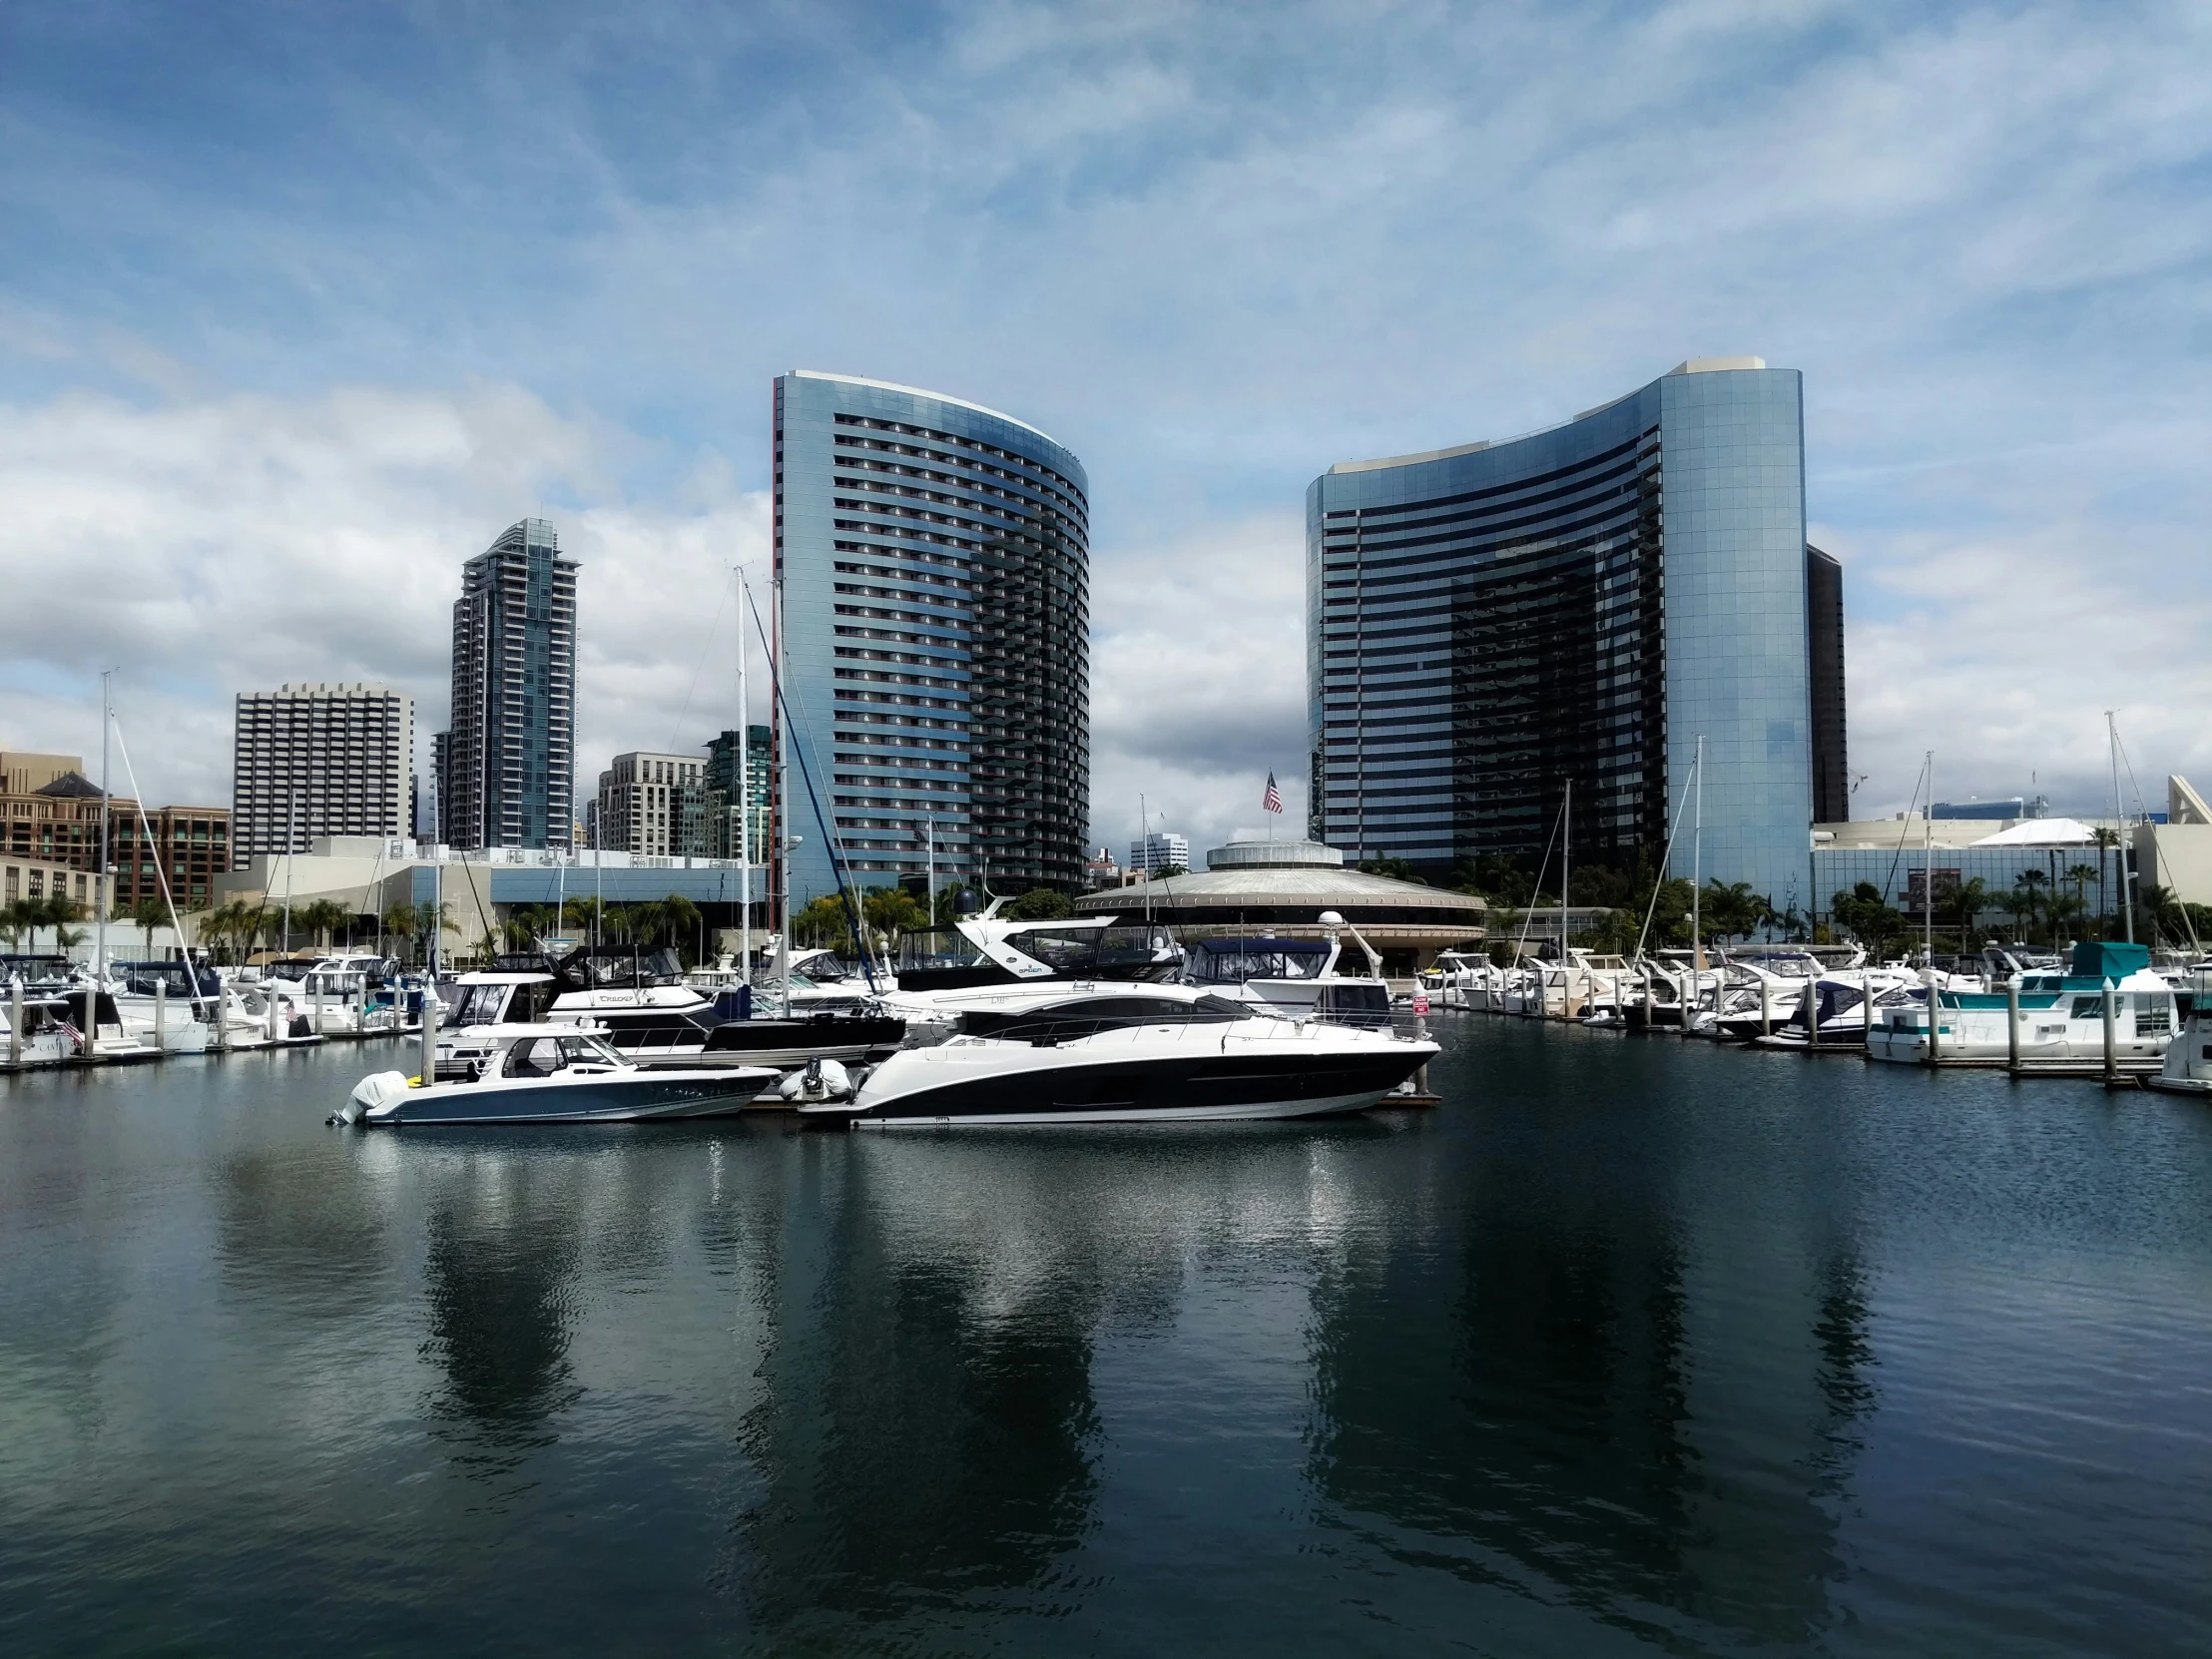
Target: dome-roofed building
x=1281 y=887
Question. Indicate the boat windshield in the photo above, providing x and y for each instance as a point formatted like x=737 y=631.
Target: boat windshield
x=543 y=1056
x=935 y=949
x=1087 y=1016
x=479 y=1005
x=1232 y=961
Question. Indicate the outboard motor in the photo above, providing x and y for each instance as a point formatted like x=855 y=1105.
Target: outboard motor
x=822 y=1080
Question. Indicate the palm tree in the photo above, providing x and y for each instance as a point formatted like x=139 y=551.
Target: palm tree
x=2106 y=837
x=2081 y=875
x=149 y=914
x=680 y=917
x=1968 y=901
x=2029 y=885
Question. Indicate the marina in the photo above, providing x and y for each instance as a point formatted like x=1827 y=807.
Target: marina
x=1629 y=1345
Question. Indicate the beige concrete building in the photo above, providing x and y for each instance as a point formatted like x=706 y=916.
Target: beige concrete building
x=1281 y=889
x=653 y=805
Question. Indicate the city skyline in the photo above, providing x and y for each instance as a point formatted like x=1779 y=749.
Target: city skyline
x=257 y=429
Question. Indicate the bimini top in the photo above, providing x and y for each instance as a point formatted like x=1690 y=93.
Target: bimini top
x=933 y=397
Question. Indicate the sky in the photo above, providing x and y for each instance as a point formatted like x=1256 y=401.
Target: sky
x=302 y=305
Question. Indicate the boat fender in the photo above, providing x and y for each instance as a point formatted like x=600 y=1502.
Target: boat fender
x=820 y=1080
x=372 y=1093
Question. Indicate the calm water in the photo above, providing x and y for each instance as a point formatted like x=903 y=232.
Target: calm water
x=1634 y=1344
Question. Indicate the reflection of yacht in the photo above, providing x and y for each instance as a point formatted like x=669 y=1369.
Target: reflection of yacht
x=546 y=1074
x=1131 y=1054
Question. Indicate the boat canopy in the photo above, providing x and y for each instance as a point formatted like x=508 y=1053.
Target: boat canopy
x=2108 y=960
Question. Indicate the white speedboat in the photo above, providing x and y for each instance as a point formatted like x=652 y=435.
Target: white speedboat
x=546 y=1074
x=1131 y=1054
x=2061 y=1015
x=647 y=1010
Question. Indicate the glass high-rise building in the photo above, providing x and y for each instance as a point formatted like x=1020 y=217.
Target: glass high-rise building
x=935 y=562
x=507 y=764
x=1490 y=622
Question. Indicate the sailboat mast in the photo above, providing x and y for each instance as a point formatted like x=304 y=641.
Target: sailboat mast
x=1928 y=863
x=744 y=796
x=1566 y=861
x=1697 y=866
x=776 y=670
x=2119 y=851
x=101 y=867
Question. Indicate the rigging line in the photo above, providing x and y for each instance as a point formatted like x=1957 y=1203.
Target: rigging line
x=1666 y=860
x=2157 y=860
x=160 y=860
x=1529 y=915
x=803 y=733
x=706 y=646
x=1899 y=856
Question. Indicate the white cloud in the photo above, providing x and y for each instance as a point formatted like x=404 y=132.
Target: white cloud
x=213 y=547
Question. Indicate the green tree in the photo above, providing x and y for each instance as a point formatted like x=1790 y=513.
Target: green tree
x=1732 y=911
x=890 y=911
x=1041 y=905
x=149 y=914
x=1965 y=902
x=1862 y=913
x=1397 y=869
x=822 y=925
x=680 y=919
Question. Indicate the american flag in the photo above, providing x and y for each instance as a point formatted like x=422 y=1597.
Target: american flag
x=1272 y=799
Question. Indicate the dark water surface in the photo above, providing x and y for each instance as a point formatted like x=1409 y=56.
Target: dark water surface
x=1635 y=1344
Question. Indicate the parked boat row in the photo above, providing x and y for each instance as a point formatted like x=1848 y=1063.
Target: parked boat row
x=1000 y=1022
x=2105 y=1010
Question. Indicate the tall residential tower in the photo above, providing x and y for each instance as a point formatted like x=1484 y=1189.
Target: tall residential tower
x=934 y=557
x=1489 y=622
x=320 y=760
x=507 y=773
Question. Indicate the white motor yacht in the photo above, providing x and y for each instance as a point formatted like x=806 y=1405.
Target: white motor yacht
x=2061 y=1015
x=653 y=1016
x=1131 y=1053
x=546 y=1074
x=2187 y=1065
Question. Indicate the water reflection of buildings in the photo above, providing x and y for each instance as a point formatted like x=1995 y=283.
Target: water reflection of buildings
x=1596 y=1390
x=927 y=1431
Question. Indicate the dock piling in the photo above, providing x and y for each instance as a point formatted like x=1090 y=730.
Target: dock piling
x=15 y=1021
x=2111 y=1036
x=2012 y=1025
x=161 y=1013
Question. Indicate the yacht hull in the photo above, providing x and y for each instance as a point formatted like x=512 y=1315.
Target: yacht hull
x=656 y=1097
x=925 y=1092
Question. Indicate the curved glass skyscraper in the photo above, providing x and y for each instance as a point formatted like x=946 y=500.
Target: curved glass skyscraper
x=1487 y=623
x=935 y=559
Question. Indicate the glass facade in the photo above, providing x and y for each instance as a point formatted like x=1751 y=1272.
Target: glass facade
x=935 y=562
x=506 y=771
x=1486 y=624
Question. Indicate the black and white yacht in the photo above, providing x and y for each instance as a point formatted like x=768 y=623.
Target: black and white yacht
x=643 y=1007
x=1130 y=1053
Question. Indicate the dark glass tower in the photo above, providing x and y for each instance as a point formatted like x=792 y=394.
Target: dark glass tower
x=1823 y=610
x=1488 y=623
x=508 y=773
x=935 y=563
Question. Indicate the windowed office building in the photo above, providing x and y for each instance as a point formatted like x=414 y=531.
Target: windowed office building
x=934 y=556
x=1490 y=622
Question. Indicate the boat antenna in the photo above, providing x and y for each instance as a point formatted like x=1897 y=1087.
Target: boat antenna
x=101 y=879
x=2127 y=888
